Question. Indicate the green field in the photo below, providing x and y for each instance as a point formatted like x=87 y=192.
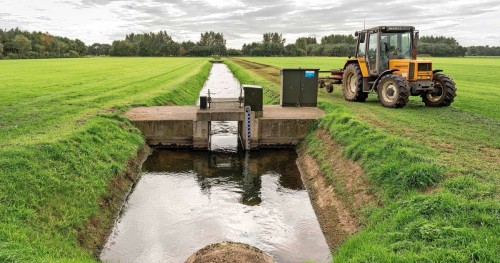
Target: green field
x=63 y=140
x=437 y=169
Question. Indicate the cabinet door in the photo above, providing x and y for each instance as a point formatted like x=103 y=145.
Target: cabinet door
x=309 y=88
x=290 y=89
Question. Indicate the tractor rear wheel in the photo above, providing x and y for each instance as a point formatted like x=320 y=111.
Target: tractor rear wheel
x=443 y=94
x=393 y=91
x=352 y=84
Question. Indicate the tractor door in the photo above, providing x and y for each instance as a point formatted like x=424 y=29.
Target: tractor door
x=373 y=53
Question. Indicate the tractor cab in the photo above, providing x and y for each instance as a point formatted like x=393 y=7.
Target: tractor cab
x=381 y=45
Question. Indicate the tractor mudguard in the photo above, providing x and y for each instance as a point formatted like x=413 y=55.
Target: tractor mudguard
x=389 y=71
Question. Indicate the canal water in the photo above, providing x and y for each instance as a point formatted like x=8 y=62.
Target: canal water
x=222 y=84
x=187 y=200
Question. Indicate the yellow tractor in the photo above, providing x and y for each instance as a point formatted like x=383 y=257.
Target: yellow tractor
x=385 y=61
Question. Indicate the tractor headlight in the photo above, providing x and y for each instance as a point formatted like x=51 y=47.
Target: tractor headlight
x=419 y=77
x=428 y=77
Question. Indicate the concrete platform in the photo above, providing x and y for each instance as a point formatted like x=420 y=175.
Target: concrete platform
x=188 y=126
x=160 y=113
x=291 y=113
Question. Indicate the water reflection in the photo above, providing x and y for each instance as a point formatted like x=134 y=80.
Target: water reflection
x=187 y=200
x=214 y=168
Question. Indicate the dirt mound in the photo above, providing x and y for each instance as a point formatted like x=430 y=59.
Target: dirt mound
x=229 y=252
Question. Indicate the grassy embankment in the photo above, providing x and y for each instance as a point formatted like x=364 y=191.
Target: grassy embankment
x=435 y=169
x=64 y=145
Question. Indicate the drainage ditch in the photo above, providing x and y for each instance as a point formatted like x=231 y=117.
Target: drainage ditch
x=187 y=200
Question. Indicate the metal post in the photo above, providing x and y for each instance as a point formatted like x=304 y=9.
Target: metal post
x=209 y=99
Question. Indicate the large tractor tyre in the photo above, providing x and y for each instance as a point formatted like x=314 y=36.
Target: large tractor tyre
x=393 y=91
x=443 y=94
x=352 y=84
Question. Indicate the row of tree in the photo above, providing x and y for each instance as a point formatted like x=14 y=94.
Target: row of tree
x=273 y=44
x=162 y=45
x=15 y=43
x=440 y=47
x=483 y=51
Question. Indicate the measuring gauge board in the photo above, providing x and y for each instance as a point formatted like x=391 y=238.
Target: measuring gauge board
x=247 y=126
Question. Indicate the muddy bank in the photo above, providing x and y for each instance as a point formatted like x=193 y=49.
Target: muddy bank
x=338 y=214
x=230 y=252
x=93 y=235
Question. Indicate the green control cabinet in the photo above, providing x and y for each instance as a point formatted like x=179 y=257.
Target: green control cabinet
x=299 y=87
x=253 y=97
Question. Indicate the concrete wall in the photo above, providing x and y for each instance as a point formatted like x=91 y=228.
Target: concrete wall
x=167 y=133
x=189 y=127
x=282 y=132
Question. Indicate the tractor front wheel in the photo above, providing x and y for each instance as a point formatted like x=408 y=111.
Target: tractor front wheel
x=443 y=94
x=352 y=84
x=329 y=88
x=393 y=92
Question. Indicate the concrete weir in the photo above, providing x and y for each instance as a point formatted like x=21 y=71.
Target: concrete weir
x=189 y=126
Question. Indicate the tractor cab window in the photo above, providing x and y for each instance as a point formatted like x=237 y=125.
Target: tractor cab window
x=395 y=45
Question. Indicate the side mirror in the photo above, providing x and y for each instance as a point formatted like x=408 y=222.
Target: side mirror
x=362 y=38
x=417 y=35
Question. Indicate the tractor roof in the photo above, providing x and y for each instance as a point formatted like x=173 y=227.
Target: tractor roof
x=390 y=29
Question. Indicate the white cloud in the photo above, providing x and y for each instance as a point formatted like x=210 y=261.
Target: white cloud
x=244 y=21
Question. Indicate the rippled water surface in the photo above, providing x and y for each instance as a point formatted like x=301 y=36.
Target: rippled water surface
x=187 y=200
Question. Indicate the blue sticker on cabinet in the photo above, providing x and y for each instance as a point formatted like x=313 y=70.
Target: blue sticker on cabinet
x=309 y=74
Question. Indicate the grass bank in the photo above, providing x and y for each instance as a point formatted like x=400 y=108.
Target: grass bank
x=436 y=170
x=63 y=144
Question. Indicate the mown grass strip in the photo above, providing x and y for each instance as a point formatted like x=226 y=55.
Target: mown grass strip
x=51 y=188
x=270 y=91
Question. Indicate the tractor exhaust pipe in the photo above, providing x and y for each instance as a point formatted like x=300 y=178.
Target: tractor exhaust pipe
x=415 y=43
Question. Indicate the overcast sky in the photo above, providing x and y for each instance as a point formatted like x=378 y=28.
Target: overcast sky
x=243 y=21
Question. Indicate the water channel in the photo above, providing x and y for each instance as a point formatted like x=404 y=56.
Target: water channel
x=186 y=200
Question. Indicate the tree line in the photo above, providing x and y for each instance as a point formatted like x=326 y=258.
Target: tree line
x=15 y=43
x=345 y=45
x=440 y=47
x=273 y=44
x=162 y=45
